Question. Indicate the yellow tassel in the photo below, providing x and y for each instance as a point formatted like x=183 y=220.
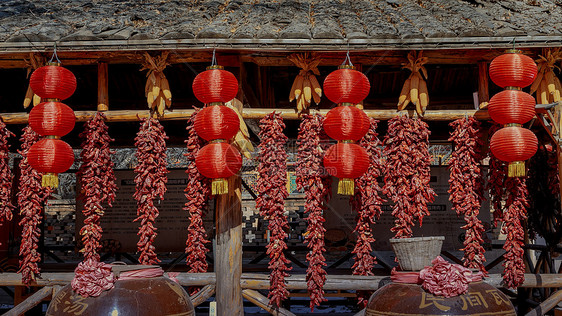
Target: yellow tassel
x=346 y=186
x=50 y=180
x=219 y=186
x=516 y=169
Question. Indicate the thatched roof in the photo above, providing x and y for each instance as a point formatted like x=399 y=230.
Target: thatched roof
x=255 y=24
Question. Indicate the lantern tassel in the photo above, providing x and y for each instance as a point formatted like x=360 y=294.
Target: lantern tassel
x=516 y=169
x=50 y=180
x=346 y=186
x=219 y=186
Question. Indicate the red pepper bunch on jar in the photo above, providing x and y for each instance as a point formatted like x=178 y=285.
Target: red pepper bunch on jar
x=465 y=187
x=97 y=180
x=367 y=201
x=514 y=214
x=407 y=172
x=151 y=178
x=497 y=176
x=31 y=196
x=197 y=193
x=272 y=192
x=311 y=180
x=6 y=176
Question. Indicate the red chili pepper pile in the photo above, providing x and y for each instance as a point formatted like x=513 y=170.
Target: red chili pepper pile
x=465 y=187
x=31 y=197
x=497 y=176
x=6 y=175
x=553 y=175
x=151 y=178
x=97 y=181
x=272 y=192
x=311 y=179
x=407 y=172
x=197 y=193
x=514 y=214
x=367 y=202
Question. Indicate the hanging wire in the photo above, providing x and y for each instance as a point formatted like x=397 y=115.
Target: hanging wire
x=214 y=60
x=55 y=55
x=347 y=60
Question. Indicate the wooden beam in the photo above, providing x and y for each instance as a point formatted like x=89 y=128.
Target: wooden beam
x=250 y=113
x=103 y=87
x=203 y=295
x=483 y=96
x=228 y=251
x=262 y=301
x=30 y=302
x=547 y=304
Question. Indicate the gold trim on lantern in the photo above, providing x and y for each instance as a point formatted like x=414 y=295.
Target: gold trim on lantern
x=513 y=125
x=215 y=103
x=346 y=67
x=513 y=88
x=346 y=186
x=50 y=180
x=345 y=104
x=215 y=67
x=516 y=169
x=52 y=63
x=215 y=141
x=53 y=100
x=52 y=137
x=219 y=186
x=513 y=51
x=347 y=141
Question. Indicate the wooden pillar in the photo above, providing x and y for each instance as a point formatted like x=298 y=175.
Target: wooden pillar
x=103 y=87
x=483 y=96
x=228 y=251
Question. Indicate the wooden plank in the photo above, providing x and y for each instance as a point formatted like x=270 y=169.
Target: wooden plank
x=228 y=252
x=103 y=87
x=203 y=295
x=263 y=302
x=547 y=304
x=30 y=302
x=483 y=96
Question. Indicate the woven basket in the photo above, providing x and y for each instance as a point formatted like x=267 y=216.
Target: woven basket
x=416 y=253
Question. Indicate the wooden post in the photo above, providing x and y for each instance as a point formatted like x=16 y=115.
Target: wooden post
x=103 y=87
x=228 y=252
x=483 y=96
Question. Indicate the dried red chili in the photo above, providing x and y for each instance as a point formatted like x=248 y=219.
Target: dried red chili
x=513 y=216
x=367 y=201
x=465 y=187
x=497 y=176
x=31 y=197
x=313 y=181
x=6 y=176
x=151 y=178
x=272 y=192
x=197 y=193
x=97 y=180
x=407 y=172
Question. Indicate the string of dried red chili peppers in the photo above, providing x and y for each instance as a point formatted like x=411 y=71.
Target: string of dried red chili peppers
x=97 y=180
x=465 y=187
x=514 y=214
x=497 y=175
x=272 y=192
x=6 y=176
x=367 y=201
x=311 y=180
x=31 y=196
x=407 y=172
x=151 y=178
x=197 y=193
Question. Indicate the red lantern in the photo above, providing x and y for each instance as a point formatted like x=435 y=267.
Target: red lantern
x=513 y=69
x=346 y=123
x=215 y=85
x=514 y=144
x=512 y=106
x=50 y=156
x=346 y=161
x=53 y=82
x=346 y=85
x=52 y=118
x=216 y=122
x=218 y=161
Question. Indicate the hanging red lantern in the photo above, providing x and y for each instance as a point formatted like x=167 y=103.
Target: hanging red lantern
x=346 y=123
x=514 y=144
x=216 y=122
x=346 y=161
x=215 y=85
x=346 y=85
x=52 y=118
x=513 y=69
x=512 y=106
x=53 y=82
x=218 y=161
x=50 y=156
